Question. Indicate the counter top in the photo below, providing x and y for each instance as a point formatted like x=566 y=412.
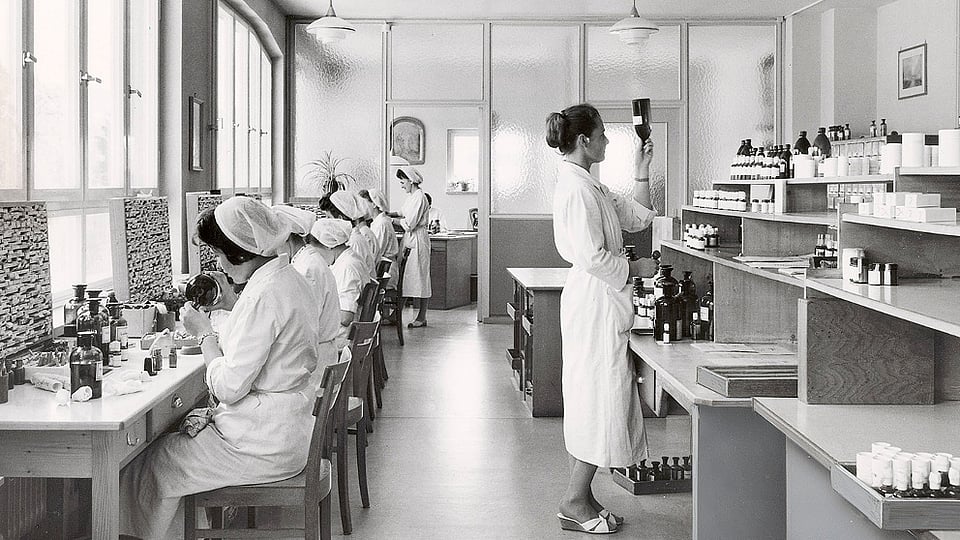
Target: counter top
x=450 y=237
x=32 y=409
x=540 y=278
x=835 y=433
x=676 y=366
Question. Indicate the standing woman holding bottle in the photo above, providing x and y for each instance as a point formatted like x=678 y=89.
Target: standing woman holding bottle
x=603 y=421
x=414 y=220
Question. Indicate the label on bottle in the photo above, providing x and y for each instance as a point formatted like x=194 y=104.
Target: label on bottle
x=99 y=371
x=704 y=313
x=105 y=334
x=666 y=332
x=657 y=292
x=123 y=336
x=638 y=119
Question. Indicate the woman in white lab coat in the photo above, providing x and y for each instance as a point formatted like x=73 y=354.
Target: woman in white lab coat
x=382 y=227
x=348 y=269
x=257 y=368
x=603 y=422
x=414 y=220
x=346 y=205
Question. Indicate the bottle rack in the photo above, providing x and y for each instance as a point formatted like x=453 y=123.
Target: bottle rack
x=627 y=478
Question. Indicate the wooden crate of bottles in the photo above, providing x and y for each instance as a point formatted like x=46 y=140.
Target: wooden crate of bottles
x=639 y=479
x=142 y=261
x=25 y=297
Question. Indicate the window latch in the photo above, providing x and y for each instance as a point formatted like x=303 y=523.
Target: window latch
x=28 y=58
x=88 y=78
x=131 y=91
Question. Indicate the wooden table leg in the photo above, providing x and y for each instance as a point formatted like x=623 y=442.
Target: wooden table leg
x=106 y=488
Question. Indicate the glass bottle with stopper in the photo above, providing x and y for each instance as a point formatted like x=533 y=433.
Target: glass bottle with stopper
x=641 y=118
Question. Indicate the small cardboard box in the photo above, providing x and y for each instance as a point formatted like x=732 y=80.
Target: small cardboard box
x=922 y=200
x=139 y=320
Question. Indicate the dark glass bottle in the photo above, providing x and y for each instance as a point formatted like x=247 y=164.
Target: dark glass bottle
x=119 y=339
x=847 y=133
x=90 y=320
x=706 y=313
x=696 y=329
x=86 y=365
x=688 y=466
x=643 y=472
x=654 y=473
x=663 y=278
x=203 y=290
x=676 y=469
x=667 y=311
x=638 y=296
x=820 y=250
x=688 y=302
x=70 y=310
x=784 y=163
x=802 y=145
x=883 y=127
x=873 y=128
x=822 y=142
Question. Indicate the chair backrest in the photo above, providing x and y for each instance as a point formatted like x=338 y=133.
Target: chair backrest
x=383 y=266
x=370 y=299
x=321 y=442
x=362 y=338
x=403 y=266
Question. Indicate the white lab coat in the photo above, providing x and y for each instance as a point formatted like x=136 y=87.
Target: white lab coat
x=603 y=421
x=416 y=275
x=261 y=429
x=351 y=275
x=387 y=246
x=363 y=247
x=367 y=233
x=312 y=266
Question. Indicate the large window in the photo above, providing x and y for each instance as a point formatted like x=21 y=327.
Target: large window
x=244 y=117
x=86 y=128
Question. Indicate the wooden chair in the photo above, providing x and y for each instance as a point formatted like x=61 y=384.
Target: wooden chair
x=371 y=302
x=350 y=411
x=393 y=299
x=311 y=488
x=383 y=266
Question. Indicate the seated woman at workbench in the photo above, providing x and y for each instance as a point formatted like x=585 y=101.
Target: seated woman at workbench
x=257 y=368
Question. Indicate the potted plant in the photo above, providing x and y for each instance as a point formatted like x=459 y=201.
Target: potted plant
x=326 y=172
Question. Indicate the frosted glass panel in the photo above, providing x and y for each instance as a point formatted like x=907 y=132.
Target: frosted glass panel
x=617 y=72
x=339 y=104
x=732 y=96
x=11 y=134
x=616 y=170
x=437 y=61
x=528 y=61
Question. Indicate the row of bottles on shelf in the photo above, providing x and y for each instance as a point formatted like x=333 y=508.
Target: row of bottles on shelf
x=104 y=320
x=662 y=470
x=826 y=246
x=760 y=163
x=676 y=310
x=701 y=237
x=732 y=200
x=895 y=473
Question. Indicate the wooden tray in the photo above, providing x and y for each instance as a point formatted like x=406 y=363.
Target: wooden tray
x=650 y=487
x=892 y=513
x=749 y=381
x=515 y=358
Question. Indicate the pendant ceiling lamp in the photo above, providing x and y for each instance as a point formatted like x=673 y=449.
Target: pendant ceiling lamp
x=330 y=28
x=634 y=30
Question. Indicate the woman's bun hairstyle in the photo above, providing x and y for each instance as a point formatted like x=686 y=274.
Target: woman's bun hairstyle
x=564 y=127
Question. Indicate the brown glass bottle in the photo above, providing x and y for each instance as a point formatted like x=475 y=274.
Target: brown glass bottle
x=667 y=309
x=665 y=277
x=688 y=302
x=70 y=310
x=90 y=320
x=706 y=313
x=86 y=365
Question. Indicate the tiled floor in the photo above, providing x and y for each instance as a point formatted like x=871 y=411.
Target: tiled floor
x=456 y=454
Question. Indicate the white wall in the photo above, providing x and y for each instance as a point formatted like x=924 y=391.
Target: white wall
x=802 y=74
x=906 y=23
x=848 y=74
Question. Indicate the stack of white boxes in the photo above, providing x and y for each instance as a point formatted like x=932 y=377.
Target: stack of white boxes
x=909 y=206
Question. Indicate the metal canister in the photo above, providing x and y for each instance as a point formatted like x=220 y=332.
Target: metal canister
x=875 y=275
x=891 y=274
x=860 y=273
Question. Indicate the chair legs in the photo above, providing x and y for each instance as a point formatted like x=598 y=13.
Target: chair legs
x=398 y=318
x=362 y=462
x=343 y=488
x=189 y=518
x=325 y=520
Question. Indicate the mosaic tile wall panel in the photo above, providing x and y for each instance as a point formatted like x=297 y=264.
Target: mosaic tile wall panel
x=201 y=258
x=207 y=258
x=25 y=298
x=142 y=261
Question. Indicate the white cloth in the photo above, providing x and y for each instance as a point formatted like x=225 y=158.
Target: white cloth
x=331 y=232
x=261 y=429
x=350 y=274
x=314 y=268
x=252 y=225
x=603 y=421
x=416 y=275
x=387 y=245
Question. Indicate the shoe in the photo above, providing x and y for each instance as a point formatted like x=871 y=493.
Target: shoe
x=606 y=514
x=417 y=324
x=597 y=525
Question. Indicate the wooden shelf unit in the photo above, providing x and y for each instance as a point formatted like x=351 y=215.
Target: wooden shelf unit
x=798 y=195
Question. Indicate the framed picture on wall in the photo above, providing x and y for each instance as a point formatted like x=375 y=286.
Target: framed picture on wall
x=196 y=134
x=407 y=139
x=912 y=71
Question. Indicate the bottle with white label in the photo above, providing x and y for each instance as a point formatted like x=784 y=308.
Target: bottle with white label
x=706 y=313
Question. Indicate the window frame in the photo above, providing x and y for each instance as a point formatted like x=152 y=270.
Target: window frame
x=452 y=135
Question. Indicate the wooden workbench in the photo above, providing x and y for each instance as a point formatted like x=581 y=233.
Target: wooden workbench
x=450 y=269
x=97 y=438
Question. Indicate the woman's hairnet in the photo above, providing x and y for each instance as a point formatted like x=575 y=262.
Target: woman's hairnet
x=299 y=220
x=331 y=232
x=346 y=202
x=379 y=200
x=252 y=225
x=366 y=208
x=411 y=173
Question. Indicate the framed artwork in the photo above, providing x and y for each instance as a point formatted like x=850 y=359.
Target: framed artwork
x=407 y=139
x=196 y=134
x=912 y=71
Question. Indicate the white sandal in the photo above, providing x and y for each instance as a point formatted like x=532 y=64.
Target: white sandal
x=597 y=525
x=606 y=514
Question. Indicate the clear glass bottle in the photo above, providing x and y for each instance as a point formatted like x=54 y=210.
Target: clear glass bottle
x=822 y=142
x=86 y=365
x=688 y=302
x=706 y=313
x=90 y=320
x=70 y=310
x=847 y=133
x=873 y=128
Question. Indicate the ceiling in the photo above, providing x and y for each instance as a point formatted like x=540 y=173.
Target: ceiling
x=508 y=9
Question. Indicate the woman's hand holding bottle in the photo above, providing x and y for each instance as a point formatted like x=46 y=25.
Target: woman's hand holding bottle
x=643 y=267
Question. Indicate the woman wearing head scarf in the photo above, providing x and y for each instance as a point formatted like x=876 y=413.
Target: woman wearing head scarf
x=382 y=228
x=347 y=205
x=416 y=275
x=308 y=260
x=257 y=368
x=602 y=422
x=348 y=270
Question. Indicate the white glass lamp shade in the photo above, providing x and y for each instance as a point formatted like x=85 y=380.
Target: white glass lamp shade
x=330 y=28
x=634 y=30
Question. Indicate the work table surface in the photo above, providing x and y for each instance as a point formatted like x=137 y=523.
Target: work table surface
x=676 y=366
x=835 y=433
x=540 y=278
x=32 y=409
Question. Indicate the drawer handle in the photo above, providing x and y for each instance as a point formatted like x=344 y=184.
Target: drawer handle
x=132 y=441
x=177 y=402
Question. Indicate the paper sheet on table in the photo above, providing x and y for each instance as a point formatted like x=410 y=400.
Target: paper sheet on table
x=751 y=348
x=773 y=262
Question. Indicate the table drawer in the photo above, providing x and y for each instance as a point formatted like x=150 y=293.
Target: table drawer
x=128 y=442
x=175 y=405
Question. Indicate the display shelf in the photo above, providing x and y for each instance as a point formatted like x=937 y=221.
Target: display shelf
x=819 y=180
x=810 y=218
x=461 y=192
x=943 y=229
x=929 y=171
x=724 y=256
x=926 y=302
